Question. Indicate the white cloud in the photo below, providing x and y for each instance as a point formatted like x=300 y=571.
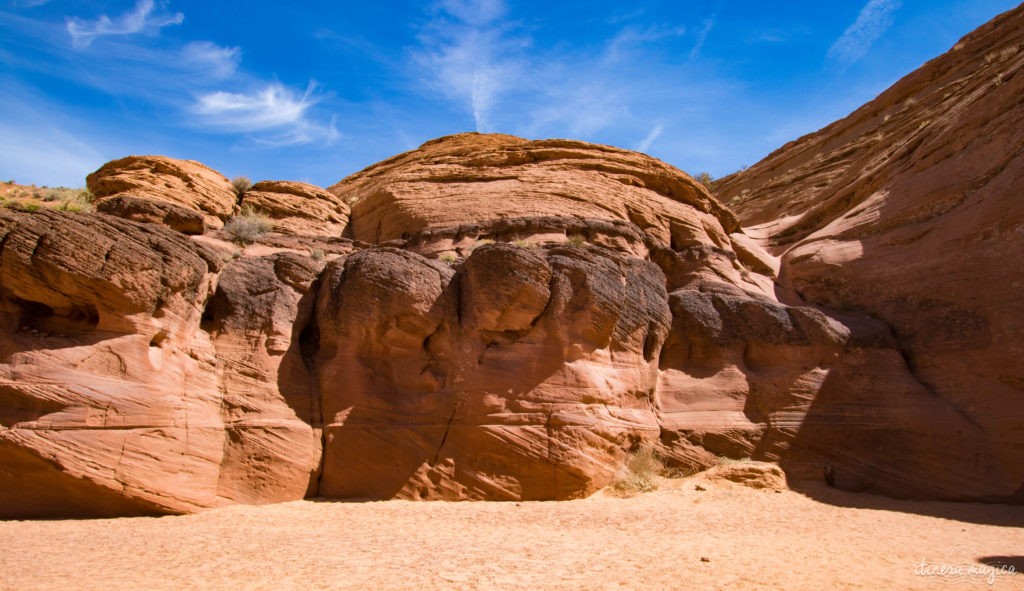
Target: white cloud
x=469 y=57
x=274 y=109
x=645 y=144
x=480 y=62
x=216 y=61
x=874 y=20
x=141 y=19
x=273 y=106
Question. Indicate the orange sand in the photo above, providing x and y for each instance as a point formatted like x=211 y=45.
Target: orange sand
x=752 y=539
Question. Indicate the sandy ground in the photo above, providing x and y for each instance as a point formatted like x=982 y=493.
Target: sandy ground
x=726 y=536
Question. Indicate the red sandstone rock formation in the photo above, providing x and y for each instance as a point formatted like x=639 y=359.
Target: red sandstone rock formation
x=515 y=317
x=299 y=208
x=182 y=183
x=909 y=210
x=502 y=358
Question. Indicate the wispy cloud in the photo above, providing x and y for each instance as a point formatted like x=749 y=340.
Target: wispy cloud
x=273 y=108
x=476 y=13
x=601 y=90
x=702 y=36
x=216 y=61
x=779 y=34
x=469 y=56
x=144 y=18
x=631 y=37
x=874 y=19
x=645 y=144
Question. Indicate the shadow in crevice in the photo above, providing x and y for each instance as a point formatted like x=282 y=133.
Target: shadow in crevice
x=27 y=326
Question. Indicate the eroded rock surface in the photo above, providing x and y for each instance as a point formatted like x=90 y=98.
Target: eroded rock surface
x=299 y=208
x=527 y=386
x=131 y=383
x=909 y=209
x=513 y=318
x=182 y=183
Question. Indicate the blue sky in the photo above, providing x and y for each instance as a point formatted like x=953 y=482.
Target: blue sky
x=315 y=91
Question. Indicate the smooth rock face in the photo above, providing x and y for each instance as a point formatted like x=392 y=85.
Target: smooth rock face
x=909 y=210
x=183 y=183
x=299 y=208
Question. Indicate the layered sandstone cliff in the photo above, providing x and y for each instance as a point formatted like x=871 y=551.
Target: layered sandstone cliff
x=488 y=317
x=455 y=355
x=909 y=209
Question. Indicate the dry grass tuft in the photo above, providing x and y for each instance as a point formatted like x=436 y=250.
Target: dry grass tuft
x=241 y=185
x=248 y=225
x=641 y=473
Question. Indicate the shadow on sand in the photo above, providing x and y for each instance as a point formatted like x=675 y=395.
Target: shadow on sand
x=977 y=513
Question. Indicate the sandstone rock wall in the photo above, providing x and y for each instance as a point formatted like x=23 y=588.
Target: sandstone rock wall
x=488 y=317
x=909 y=210
x=498 y=359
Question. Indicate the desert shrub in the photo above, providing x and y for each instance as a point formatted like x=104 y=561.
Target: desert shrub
x=241 y=184
x=248 y=225
x=576 y=240
x=449 y=258
x=480 y=243
x=53 y=195
x=22 y=206
x=640 y=473
x=705 y=179
x=1000 y=54
x=227 y=257
x=80 y=201
x=317 y=254
x=76 y=205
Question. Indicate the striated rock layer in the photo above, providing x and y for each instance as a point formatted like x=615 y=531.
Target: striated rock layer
x=299 y=208
x=488 y=317
x=168 y=182
x=502 y=358
x=909 y=209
